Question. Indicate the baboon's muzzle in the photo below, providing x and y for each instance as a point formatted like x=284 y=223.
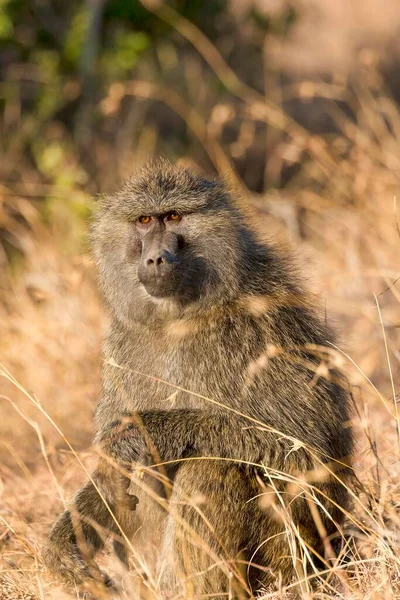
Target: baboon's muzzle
x=158 y=268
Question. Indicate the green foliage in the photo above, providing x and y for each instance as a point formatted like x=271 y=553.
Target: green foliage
x=6 y=24
x=73 y=58
x=75 y=37
x=67 y=206
x=48 y=63
x=123 y=56
x=133 y=14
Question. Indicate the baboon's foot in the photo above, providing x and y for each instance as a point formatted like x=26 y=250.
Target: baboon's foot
x=69 y=567
x=101 y=588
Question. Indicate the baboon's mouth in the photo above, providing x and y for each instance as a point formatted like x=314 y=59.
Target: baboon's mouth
x=161 y=289
x=183 y=292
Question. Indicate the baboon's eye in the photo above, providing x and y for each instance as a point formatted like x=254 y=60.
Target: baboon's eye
x=144 y=219
x=173 y=216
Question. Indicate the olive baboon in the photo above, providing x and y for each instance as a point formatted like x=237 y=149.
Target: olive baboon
x=217 y=365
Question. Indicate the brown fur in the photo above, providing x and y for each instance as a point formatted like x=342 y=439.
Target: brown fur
x=241 y=373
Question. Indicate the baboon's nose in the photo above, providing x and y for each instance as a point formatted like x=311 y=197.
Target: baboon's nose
x=157 y=260
x=158 y=273
x=156 y=266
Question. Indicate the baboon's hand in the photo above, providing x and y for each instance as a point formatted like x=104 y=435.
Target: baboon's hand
x=125 y=445
x=130 y=501
x=125 y=498
x=126 y=441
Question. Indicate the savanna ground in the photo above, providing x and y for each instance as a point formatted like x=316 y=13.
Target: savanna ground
x=316 y=149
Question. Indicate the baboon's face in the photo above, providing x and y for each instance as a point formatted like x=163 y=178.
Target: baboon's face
x=166 y=242
x=164 y=252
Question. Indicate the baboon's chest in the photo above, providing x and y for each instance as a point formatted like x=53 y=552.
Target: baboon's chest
x=187 y=373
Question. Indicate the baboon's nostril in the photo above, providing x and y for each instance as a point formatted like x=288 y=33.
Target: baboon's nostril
x=155 y=261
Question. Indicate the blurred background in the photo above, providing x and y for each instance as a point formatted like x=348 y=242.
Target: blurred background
x=295 y=101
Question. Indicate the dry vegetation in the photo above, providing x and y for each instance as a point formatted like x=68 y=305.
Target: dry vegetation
x=340 y=209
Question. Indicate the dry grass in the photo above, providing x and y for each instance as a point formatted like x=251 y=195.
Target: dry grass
x=51 y=332
x=51 y=325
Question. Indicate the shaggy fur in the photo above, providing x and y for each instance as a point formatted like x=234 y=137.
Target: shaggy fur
x=233 y=387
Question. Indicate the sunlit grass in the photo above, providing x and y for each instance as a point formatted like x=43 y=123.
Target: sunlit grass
x=341 y=215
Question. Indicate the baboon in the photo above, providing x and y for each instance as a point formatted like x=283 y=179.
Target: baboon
x=223 y=423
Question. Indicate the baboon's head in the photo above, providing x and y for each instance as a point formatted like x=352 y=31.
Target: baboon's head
x=168 y=242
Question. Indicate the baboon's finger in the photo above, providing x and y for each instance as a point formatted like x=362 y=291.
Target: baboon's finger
x=129 y=501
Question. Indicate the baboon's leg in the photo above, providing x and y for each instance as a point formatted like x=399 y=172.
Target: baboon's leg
x=273 y=551
x=79 y=533
x=285 y=537
x=121 y=552
x=206 y=532
x=144 y=528
x=225 y=537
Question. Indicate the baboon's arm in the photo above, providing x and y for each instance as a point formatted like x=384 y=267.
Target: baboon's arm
x=175 y=434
